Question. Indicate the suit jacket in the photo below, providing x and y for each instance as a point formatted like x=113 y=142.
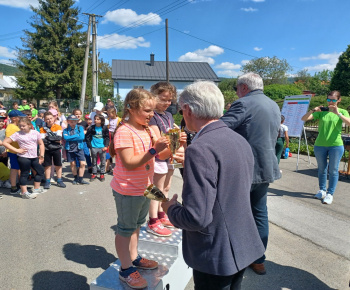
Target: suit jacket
x=257 y=118
x=219 y=233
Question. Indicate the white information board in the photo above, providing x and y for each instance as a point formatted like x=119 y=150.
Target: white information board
x=294 y=107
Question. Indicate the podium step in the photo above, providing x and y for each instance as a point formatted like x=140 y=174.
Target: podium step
x=172 y=272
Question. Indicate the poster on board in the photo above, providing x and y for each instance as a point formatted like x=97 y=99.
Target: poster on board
x=294 y=107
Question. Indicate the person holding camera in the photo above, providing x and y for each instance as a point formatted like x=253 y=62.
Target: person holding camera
x=328 y=143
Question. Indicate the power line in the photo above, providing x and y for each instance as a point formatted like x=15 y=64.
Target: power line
x=165 y=10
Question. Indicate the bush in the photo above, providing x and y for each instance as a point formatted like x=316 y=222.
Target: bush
x=278 y=91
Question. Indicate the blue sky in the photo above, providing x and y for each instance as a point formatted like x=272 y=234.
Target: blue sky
x=225 y=33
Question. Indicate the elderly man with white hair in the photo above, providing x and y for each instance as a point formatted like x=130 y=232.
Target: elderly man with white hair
x=257 y=118
x=220 y=238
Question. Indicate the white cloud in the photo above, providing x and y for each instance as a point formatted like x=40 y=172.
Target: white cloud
x=19 y=3
x=257 y=48
x=6 y=61
x=228 y=73
x=202 y=55
x=228 y=66
x=121 y=42
x=5 y=52
x=250 y=9
x=330 y=58
x=193 y=57
x=125 y=17
x=244 y=61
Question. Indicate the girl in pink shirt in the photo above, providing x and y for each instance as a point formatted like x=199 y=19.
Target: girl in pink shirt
x=28 y=141
x=134 y=146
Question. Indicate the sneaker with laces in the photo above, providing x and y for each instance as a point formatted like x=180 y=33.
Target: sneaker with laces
x=144 y=263
x=328 y=199
x=158 y=229
x=93 y=177
x=47 y=185
x=28 y=195
x=133 y=278
x=165 y=222
x=102 y=177
x=321 y=194
x=60 y=184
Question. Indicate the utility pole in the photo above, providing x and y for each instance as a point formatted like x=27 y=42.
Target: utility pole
x=86 y=61
x=167 y=50
x=92 y=19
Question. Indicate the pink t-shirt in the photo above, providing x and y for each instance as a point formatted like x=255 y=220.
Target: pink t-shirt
x=27 y=141
x=132 y=182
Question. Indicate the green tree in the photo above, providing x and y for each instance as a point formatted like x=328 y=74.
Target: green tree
x=272 y=70
x=341 y=77
x=51 y=61
x=277 y=91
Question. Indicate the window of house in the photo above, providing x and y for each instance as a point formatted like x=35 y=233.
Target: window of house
x=137 y=87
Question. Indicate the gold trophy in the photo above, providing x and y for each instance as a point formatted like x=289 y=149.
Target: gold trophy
x=173 y=136
x=153 y=192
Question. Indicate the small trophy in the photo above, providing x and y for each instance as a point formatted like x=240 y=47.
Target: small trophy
x=153 y=192
x=173 y=136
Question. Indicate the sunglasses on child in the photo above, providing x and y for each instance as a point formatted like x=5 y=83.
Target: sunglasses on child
x=330 y=100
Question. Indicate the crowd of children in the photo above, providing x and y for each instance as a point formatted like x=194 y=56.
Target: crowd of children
x=26 y=131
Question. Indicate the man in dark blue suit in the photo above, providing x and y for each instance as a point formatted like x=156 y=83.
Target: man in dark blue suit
x=220 y=238
x=257 y=118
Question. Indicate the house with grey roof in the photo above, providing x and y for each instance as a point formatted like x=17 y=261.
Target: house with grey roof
x=8 y=84
x=131 y=74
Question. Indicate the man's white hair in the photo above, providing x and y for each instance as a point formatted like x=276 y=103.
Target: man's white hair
x=205 y=100
x=252 y=80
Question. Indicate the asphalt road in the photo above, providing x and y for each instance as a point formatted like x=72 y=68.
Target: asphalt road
x=64 y=238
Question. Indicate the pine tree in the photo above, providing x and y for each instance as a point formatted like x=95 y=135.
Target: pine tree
x=341 y=77
x=51 y=61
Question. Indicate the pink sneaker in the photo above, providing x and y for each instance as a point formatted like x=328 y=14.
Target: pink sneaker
x=165 y=222
x=158 y=229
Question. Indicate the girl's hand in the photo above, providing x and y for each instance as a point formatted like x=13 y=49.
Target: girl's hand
x=317 y=109
x=161 y=144
x=179 y=157
x=183 y=138
x=21 y=151
x=104 y=149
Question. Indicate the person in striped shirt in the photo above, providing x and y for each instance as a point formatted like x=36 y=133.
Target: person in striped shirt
x=134 y=145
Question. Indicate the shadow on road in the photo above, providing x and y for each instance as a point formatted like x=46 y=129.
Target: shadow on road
x=282 y=277
x=280 y=192
x=90 y=255
x=48 y=280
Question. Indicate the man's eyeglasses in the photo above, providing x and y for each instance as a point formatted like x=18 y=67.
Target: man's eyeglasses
x=331 y=100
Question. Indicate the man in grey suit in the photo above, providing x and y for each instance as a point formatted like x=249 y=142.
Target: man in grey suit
x=220 y=238
x=257 y=118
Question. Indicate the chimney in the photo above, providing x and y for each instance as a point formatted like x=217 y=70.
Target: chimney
x=152 y=59
x=1 y=75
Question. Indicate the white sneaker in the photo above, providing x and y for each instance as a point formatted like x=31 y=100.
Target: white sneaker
x=39 y=190
x=28 y=195
x=328 y=199
x=52 y=180
x=321 y=194
x=7 y=184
